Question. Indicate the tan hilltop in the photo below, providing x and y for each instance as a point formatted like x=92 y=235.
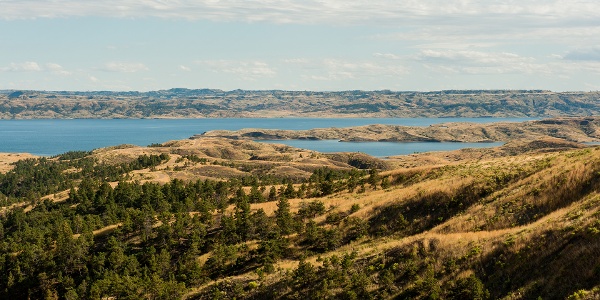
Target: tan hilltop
x=218 y=158
x=8 y=159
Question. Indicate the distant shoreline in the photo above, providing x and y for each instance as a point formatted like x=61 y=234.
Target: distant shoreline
x=207 y=103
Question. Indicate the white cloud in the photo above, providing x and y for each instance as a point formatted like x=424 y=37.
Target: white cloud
x=57 y=69
x=387 y=55
x=478 y=62
x=576 y=67
x=31 y=66
x=54 y=67
x=28 y=66
x=480 y=34
x=124 y=67
x=450 y=62
x=184 y=68
x=339 y=70
x=296 y=60
x=588 y=54
x=247 y=70
x=476 y=57
x=307 y=11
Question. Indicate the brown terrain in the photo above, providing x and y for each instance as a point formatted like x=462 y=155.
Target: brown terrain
x=6 y=159
x=531 y=204
x=226 y=158
x=208 y=103
x=576 y=129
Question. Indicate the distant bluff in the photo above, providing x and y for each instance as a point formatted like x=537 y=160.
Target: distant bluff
x=214 y=103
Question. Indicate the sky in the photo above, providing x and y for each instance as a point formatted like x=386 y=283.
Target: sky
x=320 y=45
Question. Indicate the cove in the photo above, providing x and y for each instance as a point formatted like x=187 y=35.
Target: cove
x=379 y=149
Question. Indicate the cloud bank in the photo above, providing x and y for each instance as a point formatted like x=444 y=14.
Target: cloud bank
x=246 y=70
x=124 y=67
x=32 y=66
x=309 y=11
x=425 y=21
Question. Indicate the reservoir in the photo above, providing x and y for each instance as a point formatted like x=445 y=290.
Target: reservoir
x=380 y=149
x=51 y=137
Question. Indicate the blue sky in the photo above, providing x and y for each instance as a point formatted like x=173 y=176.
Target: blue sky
x=320 y=45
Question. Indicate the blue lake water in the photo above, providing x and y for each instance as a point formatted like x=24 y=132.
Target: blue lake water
x=51 y=137
x=381 y=149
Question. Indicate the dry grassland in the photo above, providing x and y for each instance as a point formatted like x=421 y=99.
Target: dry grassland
x=531 y=205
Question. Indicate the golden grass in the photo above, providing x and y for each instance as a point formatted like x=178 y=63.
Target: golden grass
x=7 y=159
x=12 y=206
x=274 y=159
x=57 y=197
x=461 y=233
x=458 y=243
x=102 y=231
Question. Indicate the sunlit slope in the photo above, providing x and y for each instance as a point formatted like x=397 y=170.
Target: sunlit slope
x=217 y=218
x=517 y=228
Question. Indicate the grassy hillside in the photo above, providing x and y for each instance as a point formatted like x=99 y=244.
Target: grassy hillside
x=218 y=219
x=521 y=228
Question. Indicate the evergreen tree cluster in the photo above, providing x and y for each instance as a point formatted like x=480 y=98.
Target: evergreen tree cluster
x=143 y=241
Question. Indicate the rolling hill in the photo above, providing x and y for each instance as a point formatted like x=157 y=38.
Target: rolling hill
x=214 y=218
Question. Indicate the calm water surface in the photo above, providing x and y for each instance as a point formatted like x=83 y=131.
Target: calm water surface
x=51 y=137
x=381 y=149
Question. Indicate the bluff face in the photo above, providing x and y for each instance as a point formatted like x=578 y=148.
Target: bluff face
x=211 y=103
